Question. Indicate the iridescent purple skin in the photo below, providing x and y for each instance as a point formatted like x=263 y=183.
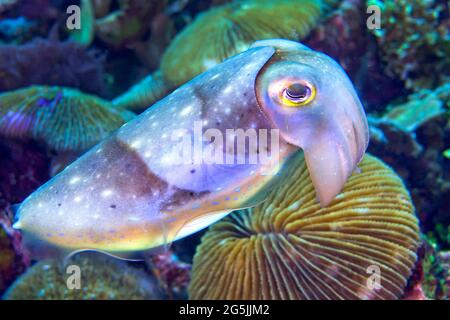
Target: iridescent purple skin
x=332 y=129
x=131 y=192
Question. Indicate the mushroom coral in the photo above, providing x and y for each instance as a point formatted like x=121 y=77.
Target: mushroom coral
x=218 y=34
x=289 y=247
x=63 y=119
x=227 y=30
x=102 y=278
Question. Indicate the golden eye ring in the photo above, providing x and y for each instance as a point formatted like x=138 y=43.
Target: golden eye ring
x=298 y=94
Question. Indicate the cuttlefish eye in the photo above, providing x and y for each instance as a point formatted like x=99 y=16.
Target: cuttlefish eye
x=298 y=94
x=291 y=92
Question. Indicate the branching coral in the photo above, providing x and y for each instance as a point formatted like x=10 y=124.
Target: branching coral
x=291 y=248
x=415 y=41
x=227 y=30
x=172 y=274
x=48 y=62
x=220 y=33
x=102 y=278
x=64 y=119
x=7 y=257
x=431 y=277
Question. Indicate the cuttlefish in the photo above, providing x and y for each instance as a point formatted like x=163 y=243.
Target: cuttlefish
x=188 y=160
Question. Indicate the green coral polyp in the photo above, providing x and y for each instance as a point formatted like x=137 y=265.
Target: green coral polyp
x=62 y=118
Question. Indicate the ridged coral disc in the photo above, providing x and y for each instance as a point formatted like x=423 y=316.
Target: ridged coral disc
x=102 y=278
x=229 y=29
x=62 y=118
x=290 y=248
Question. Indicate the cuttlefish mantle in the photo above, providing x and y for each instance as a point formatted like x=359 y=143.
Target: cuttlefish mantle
x=131 y=192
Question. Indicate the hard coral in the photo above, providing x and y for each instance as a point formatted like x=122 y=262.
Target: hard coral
x=218 y=34
x=63 y=119
x=289 y=247
x=49 y=62
x=17 y=30
x=344 y=36
x=432 y=273
x=102 y=278
x=172 y=274
x=415 y=41
x=227 y=30
x=128 y=23
x=412 y=137
x=13 y=261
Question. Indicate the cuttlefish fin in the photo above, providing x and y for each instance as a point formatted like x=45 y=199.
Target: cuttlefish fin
x=198 y=223
x=132 y=256
x=40 y=250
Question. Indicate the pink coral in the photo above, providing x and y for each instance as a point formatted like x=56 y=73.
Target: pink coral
x=173 y=274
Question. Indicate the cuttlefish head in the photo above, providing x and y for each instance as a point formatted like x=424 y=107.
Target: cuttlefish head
x=310 y=99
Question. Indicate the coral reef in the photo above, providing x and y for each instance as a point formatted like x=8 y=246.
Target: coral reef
x=102 y=278
x=291 y=248
x=64 y=119
x=23 y=168
x=126 y=24
x=54 y=104
x=220 y=33
x=415 y=41
x=412 y=137
x=345 y=37
x=224 y=31
x=431 y=278
x=13 y=260
x=416 y=112
x=66 y=64
x=172 y=274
